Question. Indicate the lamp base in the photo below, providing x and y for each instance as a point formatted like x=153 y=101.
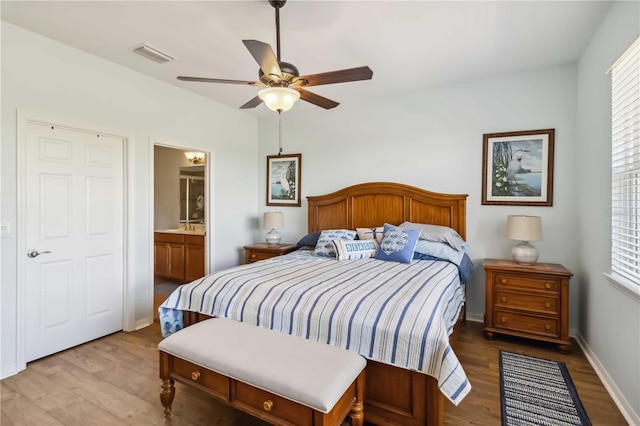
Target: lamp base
x=272 y=237
x=525 y=254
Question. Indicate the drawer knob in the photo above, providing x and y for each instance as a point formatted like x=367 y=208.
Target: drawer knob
x=547 y=285
x=195 y=375
x=547 y=305
x=267 y=405
x=503 y=281
x=503 y=299
x=503 y=319
x=253 y=256
x=547 y=327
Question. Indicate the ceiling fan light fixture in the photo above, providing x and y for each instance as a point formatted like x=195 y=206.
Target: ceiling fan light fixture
x=279 y=99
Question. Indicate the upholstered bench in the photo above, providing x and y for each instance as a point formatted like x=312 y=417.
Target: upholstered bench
x=282 y=379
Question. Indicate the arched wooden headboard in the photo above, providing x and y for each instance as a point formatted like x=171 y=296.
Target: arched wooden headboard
x=373 y=204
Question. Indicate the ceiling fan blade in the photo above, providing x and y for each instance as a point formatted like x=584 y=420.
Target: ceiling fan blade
x=264 y=56
x=318 y=100
x=219 y=80
x=342 y=76
x=252 y=103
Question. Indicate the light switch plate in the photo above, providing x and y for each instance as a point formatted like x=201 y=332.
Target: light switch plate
x=5 y=229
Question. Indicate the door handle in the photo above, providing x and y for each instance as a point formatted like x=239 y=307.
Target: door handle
x=36 y=253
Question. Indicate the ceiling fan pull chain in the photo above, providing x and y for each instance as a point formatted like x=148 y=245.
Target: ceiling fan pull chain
x=280 y=132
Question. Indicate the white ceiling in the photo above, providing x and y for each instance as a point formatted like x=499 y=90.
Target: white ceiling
x=407 y=44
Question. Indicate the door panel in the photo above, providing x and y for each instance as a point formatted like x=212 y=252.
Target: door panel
x=55 y=294
x=74 y=211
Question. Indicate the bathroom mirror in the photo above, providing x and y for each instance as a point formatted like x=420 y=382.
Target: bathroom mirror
x=192 y=194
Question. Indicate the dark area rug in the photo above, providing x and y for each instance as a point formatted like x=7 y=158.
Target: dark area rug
x=537 y=391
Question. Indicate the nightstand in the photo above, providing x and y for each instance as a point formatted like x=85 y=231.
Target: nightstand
x=261 y=251
x=528 y=301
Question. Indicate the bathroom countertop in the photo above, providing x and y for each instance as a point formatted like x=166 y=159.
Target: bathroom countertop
x=181 y=231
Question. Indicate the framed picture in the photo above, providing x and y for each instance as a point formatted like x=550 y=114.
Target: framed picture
x=283 y=180
x=517 y=168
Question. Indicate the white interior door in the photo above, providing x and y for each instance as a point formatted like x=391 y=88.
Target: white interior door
x=74 y=212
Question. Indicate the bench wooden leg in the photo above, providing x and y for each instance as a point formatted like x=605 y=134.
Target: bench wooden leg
x=167 y=392
x=356 y=415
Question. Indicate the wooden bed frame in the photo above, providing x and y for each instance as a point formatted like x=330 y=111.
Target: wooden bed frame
x=393 y=395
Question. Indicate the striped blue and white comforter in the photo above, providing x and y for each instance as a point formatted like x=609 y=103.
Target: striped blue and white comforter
x=399 y=314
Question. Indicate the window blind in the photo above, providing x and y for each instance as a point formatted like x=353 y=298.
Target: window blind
x=625 y=165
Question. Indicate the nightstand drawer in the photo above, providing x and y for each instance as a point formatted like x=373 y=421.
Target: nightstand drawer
x=254 y=256
x=528 y=302
x=526 y=323
x=526 y=282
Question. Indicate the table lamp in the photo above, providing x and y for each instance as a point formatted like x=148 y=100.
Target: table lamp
x=524 y=229
x=273 y=221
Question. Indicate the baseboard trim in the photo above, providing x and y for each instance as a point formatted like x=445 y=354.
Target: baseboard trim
x=12 y=370
x=475 y=317
x=618 y=398
x=142 y=323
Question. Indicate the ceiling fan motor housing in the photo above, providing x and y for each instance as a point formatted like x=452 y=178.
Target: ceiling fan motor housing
x=277 y=3
x=289 y=72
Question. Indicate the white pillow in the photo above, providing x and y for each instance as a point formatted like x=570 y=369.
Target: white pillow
x=355 y=249
x=325 y=247
x=439 y=234
x=371 y=233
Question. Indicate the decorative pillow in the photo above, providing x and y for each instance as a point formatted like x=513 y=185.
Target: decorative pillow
x=355 y=249
x=397 y=244
x=370 y=233
x=439 y=234
x=325 y=247
x=309 y=240
x=439 y=250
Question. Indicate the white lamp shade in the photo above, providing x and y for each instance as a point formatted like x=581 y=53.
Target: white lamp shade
x=279 y=98
x=273 y=220
x=524 y=228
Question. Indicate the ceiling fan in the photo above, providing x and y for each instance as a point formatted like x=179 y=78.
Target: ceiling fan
x=282 y=81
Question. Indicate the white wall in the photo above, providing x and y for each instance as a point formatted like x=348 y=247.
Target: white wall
x=42 y=76
x=432 y=139
x=610 y=320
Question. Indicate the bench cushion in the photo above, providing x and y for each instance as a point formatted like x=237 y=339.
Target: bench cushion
x=306 y=372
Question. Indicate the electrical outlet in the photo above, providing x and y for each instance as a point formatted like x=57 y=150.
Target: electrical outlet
x=5 y=229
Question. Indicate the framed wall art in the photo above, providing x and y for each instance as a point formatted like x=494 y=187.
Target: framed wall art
x=283 y=180
x=517 y=168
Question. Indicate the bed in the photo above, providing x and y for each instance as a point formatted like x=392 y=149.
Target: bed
x=397 y=389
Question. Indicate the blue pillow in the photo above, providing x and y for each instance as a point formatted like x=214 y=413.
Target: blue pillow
x=397 y=244
x=309 y=240
x=325 y=247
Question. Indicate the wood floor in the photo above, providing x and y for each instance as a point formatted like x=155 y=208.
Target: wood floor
x=114 y=381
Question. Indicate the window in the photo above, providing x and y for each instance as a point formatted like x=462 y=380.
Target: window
x=625 y=167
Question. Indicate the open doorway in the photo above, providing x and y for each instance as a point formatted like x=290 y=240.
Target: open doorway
x=180 y=212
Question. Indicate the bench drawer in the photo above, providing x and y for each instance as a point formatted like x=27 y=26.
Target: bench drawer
x=272 y=405
x=216 y=383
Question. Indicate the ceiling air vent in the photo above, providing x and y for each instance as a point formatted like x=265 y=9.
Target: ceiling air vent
x=153 y=54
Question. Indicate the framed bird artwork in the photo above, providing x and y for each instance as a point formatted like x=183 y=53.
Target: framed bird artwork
x=517 y=168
